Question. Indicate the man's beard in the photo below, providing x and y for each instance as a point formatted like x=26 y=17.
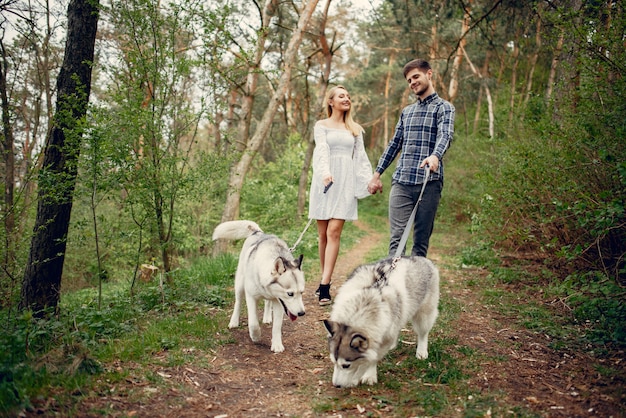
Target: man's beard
x=421 y=90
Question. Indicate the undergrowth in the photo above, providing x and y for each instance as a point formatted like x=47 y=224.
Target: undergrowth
x=42 y=358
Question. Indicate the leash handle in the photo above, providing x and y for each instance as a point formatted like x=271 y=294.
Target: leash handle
x=407 y=228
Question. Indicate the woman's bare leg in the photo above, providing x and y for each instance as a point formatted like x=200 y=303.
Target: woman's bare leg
x=332 y=240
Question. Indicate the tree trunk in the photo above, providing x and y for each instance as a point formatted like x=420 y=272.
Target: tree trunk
x=42 y=278
x=453 y=91
x=390 y=68
x=554 y=66
x=240 y=169
x=514 y=75
x=252 y=79
x=487 y=92
x=484 y=72
x=8 y=156
x=327 y=57
x=533 y=64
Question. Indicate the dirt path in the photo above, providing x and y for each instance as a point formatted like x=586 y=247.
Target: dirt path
x=248 y=380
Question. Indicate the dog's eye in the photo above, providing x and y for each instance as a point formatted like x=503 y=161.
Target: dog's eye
x=290 y=294
x=346 y=366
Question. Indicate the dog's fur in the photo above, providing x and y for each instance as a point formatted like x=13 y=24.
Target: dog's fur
x=266 y=270
x=371 y=308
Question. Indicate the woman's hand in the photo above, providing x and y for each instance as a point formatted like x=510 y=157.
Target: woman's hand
x=375 y=185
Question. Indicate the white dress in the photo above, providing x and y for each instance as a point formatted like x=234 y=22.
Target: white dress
x=341 y=154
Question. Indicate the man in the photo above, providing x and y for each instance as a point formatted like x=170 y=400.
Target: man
x=422 y=136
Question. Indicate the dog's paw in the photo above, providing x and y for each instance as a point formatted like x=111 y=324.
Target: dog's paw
x=421 y=354
x=233 y=324
x=369 y=380
x=255 y=333
x=277 y=347
x=370 y=377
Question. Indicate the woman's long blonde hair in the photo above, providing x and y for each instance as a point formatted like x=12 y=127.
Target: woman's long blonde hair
x=352 y=126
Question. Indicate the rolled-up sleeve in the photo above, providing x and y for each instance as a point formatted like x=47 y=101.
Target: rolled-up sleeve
x=394 y=146
x=445 y=129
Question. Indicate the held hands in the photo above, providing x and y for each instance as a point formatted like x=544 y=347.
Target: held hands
x=375 y=185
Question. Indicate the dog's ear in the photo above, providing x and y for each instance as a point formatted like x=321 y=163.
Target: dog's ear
x=331 y=327
x=279 y=266
x=359 y=343
x=300 y=261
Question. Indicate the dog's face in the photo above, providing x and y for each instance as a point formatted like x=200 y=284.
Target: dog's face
x=350 y=354
x=287 y=286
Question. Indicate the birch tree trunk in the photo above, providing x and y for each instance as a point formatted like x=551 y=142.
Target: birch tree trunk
x=533 y=64
x=554 y=66
x=240 y=169
x=487 y=93
x=392 y=60
x=514 y=75
x=433 y=53
x=453 y=90
x=481 y=92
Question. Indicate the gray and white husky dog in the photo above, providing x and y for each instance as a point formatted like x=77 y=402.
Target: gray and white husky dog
x=371 y=308
x=266 y=271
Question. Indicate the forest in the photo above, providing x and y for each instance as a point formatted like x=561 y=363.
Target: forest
x=130 y=129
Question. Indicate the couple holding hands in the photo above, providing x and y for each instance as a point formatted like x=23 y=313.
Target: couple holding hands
x=342 y=173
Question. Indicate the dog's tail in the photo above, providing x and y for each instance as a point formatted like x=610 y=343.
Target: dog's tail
x=235 y=230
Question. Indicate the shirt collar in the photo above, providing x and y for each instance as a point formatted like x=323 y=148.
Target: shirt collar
x=428 y=100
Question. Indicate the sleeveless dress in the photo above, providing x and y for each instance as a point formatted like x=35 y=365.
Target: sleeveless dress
x=341 y=154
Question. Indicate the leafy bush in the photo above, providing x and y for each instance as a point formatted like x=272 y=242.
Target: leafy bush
x=38 y=354
x=597 y=303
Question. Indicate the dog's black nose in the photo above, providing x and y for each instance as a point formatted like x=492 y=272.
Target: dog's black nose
x=301 y=313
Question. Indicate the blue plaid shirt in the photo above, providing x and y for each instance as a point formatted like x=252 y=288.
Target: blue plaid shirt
x=425 y=128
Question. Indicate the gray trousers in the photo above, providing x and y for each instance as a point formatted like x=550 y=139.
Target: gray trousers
x=402 y=199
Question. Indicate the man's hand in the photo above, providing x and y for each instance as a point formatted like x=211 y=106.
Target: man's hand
x=375 y=185
x=432 y=161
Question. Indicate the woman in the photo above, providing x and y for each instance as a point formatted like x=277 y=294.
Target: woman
x=341 y=171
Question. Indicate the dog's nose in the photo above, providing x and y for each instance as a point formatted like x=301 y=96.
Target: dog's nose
x=301 y=313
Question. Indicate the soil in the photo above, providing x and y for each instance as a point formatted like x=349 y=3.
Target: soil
x=248 y=380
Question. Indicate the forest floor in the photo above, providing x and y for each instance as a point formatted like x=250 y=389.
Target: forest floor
x=243 y=379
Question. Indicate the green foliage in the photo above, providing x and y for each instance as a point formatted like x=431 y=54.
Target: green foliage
x=270 y=193
x=555 y=191
x=562 y=178
x=64 y=351
x=270 y=198
x=596 y=303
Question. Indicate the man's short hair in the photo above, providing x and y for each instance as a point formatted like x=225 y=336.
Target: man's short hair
x=420 y=64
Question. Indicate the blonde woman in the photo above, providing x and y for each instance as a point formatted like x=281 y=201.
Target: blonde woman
x=341 y=171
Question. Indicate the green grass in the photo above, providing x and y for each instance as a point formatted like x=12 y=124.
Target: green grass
x=79 y=352
x=69 y=355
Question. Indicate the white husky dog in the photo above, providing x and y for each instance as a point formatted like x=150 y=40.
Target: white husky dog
x=266 y=270
x=371 y=308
